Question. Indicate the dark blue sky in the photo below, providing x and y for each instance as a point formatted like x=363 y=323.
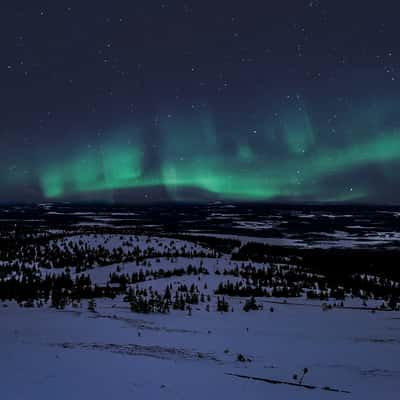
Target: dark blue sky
x=282 y=100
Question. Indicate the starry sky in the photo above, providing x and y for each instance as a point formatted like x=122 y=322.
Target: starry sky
x=281 y=100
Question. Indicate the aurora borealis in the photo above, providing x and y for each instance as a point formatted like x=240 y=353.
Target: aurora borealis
x=189 y=101
x=243 y=173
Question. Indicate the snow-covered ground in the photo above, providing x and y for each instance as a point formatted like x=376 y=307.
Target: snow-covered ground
x=117 y=354
x=338 y=239
x=48 y=354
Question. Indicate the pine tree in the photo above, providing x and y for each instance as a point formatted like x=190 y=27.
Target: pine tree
x=250 y=304
x=92 y=305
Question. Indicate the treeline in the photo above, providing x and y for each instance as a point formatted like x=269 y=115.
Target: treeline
x=51 y=253
x=32 y=288
x=141 y=276
x=382 y=262
x=324 y=273
x=149 y=300
x=293 y=281
x=221 y=245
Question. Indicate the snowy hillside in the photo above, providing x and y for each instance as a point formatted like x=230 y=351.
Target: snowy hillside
x=83 y=348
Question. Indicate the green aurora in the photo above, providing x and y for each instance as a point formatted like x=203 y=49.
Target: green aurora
x=291 y=102
x=190 y=155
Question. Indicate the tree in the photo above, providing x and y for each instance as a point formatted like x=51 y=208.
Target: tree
x=222 y=305
x=92 y=305
x=250 y=304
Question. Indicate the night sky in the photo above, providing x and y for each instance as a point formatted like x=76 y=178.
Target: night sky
x=281 y=100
